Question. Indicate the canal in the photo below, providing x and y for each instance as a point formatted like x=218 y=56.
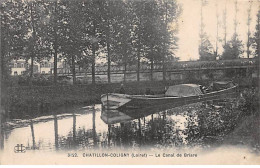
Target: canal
x=198 y=131
x=200 y=124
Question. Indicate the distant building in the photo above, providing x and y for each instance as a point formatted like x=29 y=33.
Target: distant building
x=46 y=67
x=18 y=67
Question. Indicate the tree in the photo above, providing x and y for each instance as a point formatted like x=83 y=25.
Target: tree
x=217 y=37
x=52 y=21
x=152 y=34
x=205 y=47
x=116 y=27
x=225 y=23
x=256 y=39
x=73 y=34
x=122 y=41
x=206 y=50
x=51 y=35
x=81 y=33
x=13 y=33
x=159 y=39
x=256 y=45
x=138 y=31
x=249 y=41
x=33 y=41
x=234 y=48
x=170 y=12
x=95 y=35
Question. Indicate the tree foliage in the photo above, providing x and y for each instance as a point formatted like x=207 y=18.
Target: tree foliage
x=233 y=49
x=123 y=32
x=206 y=49
x=256 y=38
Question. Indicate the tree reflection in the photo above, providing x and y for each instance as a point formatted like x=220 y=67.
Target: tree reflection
x=188 y=125
x=56 y=137
x=33 y=136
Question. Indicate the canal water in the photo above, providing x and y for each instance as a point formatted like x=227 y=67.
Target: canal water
x=201 y=124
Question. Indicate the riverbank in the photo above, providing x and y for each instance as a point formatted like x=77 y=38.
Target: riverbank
x=247 y=133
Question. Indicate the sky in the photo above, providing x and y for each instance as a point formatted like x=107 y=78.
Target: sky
x=189 y=24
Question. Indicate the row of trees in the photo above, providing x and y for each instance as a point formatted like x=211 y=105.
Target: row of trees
x=123 y=31
x=232 y=48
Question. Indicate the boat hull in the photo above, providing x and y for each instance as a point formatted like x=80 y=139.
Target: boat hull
x=114 y=116
x=114 y=100
x=122 y=101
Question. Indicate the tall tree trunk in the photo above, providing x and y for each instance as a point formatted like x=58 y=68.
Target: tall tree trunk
x=73 y=68
x=152 y=67
x=165 y=47
x=225 y=23
x=55 y=64
x=138 y=62
x=201 y=24
x=164 y=70
x=108 y=42
x=31 y=68
x=125 y=65
x=93 y=63
x=235 y=20
x=55 y=45
x=108 y=61
x=217 y=17
x=125 y=61
x=139 y=51
x=248 y=29
x=34 y=40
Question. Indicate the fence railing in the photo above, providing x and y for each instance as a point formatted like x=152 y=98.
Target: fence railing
x=175 y=66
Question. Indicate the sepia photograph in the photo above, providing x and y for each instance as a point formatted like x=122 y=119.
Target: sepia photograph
x=130 y=82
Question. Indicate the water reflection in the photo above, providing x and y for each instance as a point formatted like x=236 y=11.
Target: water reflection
x=94 y=128
x=33 y=137
x=56 y=131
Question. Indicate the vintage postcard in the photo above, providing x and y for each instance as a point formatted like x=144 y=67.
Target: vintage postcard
x=127 y=82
